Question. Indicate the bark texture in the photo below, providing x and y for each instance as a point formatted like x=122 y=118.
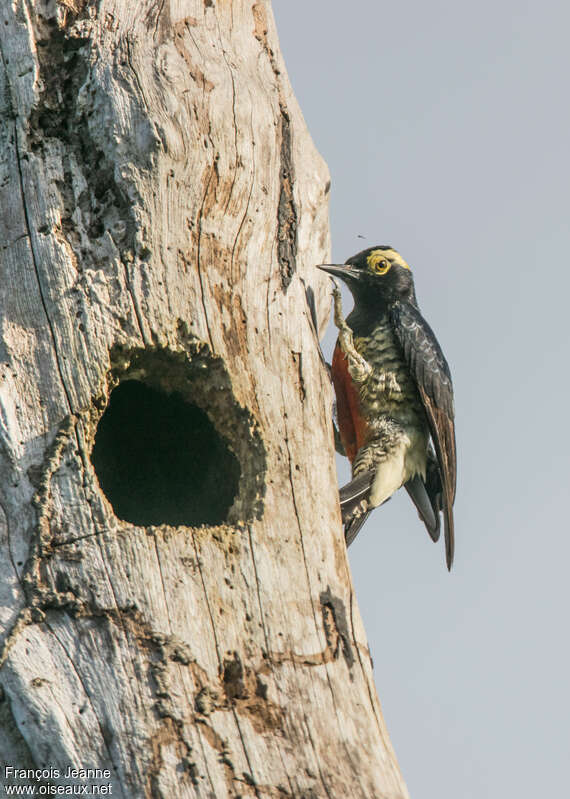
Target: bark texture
x=162 y=208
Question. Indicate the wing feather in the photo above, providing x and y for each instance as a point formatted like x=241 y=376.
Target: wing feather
x=433 y=379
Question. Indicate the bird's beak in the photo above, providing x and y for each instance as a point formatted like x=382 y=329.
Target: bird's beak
x=343 y=271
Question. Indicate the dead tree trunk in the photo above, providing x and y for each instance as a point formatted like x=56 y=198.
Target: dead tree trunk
x=176 y=606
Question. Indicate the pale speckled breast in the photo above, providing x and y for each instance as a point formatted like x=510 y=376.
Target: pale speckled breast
x=397 y=425
x=390 y=389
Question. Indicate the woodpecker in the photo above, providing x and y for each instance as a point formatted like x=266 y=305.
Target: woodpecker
x=394 y=396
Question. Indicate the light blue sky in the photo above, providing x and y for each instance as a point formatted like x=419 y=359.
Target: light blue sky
x=446 y=128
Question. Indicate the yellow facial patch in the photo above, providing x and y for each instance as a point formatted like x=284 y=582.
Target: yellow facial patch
x=380 y=261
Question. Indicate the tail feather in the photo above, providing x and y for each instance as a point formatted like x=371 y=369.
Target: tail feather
x=352 y=528
x=449 y=536
x=440 y=504
x=354 y=505
x=355 y=491
x=419 y=496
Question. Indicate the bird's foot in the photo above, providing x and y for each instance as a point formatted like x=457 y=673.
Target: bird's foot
x=358 y=367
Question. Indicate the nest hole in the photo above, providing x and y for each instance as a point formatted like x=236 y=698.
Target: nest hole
x=160 y=460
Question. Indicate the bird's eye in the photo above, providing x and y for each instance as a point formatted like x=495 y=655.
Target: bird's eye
x=381 y=266
x=378 y=263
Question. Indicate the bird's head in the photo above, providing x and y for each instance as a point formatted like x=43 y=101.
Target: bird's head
x=376 y=274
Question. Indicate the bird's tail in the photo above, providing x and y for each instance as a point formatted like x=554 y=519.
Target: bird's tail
x=354 y=505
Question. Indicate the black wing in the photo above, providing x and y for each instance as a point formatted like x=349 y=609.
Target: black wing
x=431 y=373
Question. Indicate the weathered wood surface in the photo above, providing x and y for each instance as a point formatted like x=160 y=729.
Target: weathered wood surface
x=162 y=208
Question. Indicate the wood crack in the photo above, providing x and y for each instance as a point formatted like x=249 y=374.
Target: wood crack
x=198 y=264
x=362 y=669
x=286 y=209
x=9 y=542
x=88 y=696
x=244 y=216
x=134 y=303
x=37 y=271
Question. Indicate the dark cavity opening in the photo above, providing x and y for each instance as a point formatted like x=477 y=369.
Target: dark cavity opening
x=159 y=459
